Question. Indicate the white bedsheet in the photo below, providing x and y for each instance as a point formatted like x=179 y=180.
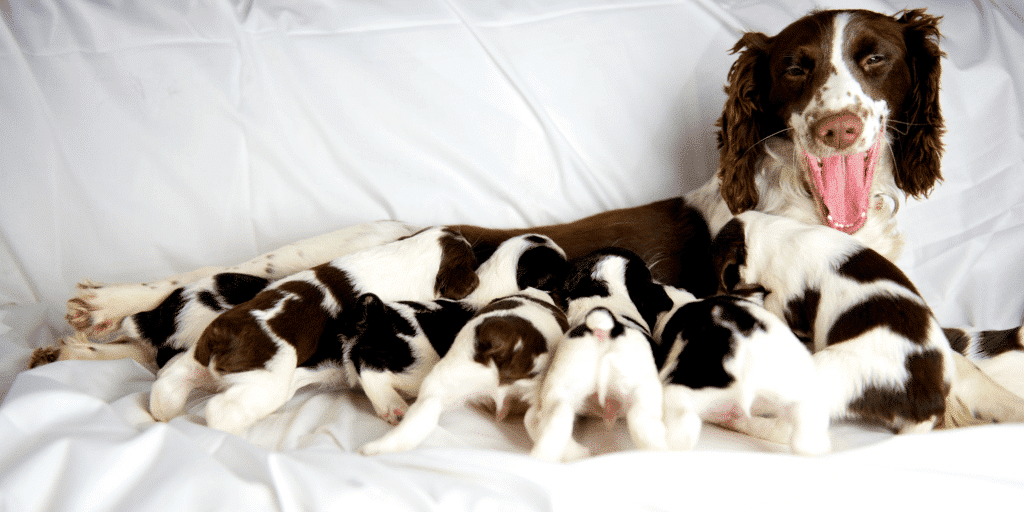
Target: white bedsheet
x=142 y=139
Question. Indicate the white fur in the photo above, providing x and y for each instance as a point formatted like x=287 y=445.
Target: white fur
x=457 y=378
x=615 y=370
x=770 y=364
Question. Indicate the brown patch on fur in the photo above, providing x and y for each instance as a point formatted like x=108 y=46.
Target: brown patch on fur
x=993 y=343
x=43 y=355
x=512 y=343
x=236 y=341
x=901 y=315
x=669 y=235
x=958 y=339
x=456 y=277
x=922 y=398
x=867 y=266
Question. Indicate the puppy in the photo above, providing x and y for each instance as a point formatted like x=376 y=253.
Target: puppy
x=719 y=354
x=604 y=365
x=387 y=347
x=153 y=337
x=250 y=353
x=880 y=354
x=499 y=357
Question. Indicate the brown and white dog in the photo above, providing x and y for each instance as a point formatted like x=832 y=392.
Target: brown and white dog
x=250 y=353
x=879 y=352
x=720 y=354
x=604 y=365
x=830 y=122
x=499 y=357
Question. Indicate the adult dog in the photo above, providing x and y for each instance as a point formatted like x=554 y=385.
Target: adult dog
x=829 y=122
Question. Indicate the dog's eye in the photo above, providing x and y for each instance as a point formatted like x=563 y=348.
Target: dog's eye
x=796 y=71
x=872 y=61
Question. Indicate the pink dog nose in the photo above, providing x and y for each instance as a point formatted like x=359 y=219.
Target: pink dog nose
x=839 y=130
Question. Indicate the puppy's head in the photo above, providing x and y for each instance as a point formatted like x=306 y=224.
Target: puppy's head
x=729 y=255
x=456 y=277
x=542 y=264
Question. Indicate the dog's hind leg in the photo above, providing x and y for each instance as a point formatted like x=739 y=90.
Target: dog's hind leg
x=380 y=389
x=98 y=309
x=682 y=420
x=174 y=383
x=983 y=397
x=447 y=384
x=250 y=396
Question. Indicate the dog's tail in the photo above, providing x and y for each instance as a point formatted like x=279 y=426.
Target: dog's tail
x=602 y=324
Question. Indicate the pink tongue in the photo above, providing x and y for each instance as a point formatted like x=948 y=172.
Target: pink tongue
x=843 y=185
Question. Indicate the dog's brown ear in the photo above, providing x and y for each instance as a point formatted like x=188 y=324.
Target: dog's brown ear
x=740 y=129
x=918 y=153
x=456 y=277
x=728 y=254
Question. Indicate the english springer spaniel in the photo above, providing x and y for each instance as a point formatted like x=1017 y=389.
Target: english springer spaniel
x=829 y=123
x=880 y=354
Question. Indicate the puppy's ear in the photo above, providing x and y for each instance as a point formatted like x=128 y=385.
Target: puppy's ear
x=729 y=254
x=368 y=306
x=740 y=127
x=918 y=153
x=456 y=277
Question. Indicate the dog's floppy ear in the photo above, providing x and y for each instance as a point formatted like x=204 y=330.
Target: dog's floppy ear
x=456 y=278
x=918 y=153
x=728 y=254
x=740 y=127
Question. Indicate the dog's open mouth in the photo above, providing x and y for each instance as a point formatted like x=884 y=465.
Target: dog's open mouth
x=842 y=184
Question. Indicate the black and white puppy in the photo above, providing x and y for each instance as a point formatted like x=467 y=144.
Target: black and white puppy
x=499 y=357
x=250 y=353
x=718 y=355
x=604 y=366
x=880 y=354
x=390 y=347
x=153 y=337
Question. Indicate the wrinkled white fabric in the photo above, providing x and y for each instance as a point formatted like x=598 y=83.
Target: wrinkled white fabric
x=143 y=139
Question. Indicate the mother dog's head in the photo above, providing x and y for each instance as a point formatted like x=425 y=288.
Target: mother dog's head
x=845 y=87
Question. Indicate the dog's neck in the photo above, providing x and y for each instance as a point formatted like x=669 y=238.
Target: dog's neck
x=784 y=189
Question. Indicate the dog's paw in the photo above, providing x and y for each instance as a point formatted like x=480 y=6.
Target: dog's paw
x=97 y=309
x=43 y=355
x=395 y=414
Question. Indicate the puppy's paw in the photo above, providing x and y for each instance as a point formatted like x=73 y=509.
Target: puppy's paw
x=395 y=414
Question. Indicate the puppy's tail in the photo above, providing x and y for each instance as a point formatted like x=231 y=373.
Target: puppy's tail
x=601 y=324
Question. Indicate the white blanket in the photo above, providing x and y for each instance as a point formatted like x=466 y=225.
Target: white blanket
x=142 y=139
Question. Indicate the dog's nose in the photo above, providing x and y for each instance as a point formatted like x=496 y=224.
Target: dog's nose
x=838 y=130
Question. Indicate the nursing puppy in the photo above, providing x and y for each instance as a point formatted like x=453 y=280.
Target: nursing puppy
x=499 y=357
x=250 y=353
x=391 y=346
x=153 y=337
x=880 y=354
x=604 y=365
x=719 y=354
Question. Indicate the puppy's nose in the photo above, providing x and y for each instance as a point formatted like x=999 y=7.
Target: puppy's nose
x=838 y=130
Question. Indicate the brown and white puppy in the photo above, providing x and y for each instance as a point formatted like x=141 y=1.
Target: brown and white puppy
x=389 y=347
x=250 y=353
x=604 y=365
x=498 y=357
x=880 y=354
x=720 y=354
